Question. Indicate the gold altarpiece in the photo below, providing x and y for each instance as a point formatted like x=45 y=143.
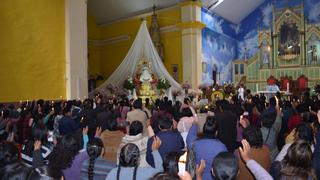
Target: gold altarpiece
x=289 y=49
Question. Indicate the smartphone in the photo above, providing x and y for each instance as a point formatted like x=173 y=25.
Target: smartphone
x=182 y=164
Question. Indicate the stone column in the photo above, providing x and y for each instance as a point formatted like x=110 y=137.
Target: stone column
x=76 y=48
x=191 y=26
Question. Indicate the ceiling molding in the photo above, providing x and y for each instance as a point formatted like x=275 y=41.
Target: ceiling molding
x=113 y=40
x=140 y=16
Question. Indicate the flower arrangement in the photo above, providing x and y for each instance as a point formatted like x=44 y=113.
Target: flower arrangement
x=176 y=93
x=128 y=84
x=186 y=86
x=163 y=84
x=112 y=88
x=316 y=88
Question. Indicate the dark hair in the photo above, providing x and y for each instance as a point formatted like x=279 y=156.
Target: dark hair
x=94 y=148
x=225 y=166
x=170 y=163
x=164 y=122
x=137 y=104
x=272 y=101
x=9 y=153
x=225 y=105
x=14 y=171
x=63 y=154
x=298 y=162
x=210 y=127
x=112 y=124
x=186 y=112
x=268 y=117
x=135 y=128
x=164 y=176
x=254 y=136
x=40 y=173
x=66 y=110
x=129 y=157
x=304 y=132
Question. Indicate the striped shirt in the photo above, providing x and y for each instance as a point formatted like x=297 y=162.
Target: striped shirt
x=101 y=169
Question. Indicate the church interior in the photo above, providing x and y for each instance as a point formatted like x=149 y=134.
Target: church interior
x=63 y=50
x=159 y=89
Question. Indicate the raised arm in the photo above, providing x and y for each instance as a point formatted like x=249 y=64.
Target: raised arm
x=192 y=135
x=259 y=172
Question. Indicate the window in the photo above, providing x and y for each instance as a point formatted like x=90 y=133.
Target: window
x=236 y=69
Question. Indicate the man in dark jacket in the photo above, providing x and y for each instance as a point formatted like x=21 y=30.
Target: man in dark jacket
x=227 y=123
x=171 y=140
x=67 y=125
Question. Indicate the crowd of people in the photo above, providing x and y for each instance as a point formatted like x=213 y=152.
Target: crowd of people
x=120 y=139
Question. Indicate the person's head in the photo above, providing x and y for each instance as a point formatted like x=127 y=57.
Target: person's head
x=254 y=136
x=170 y=163
x=63 y=154
x=14 y=171
x=225 y=105
x=129 y=157
x=40 y=133
x=164 y=123
x=94 y=150
x=9 y=153
x=67 y=111
x=268 y=117
x=112 y=124
x=135 y=128
x=40 y=173
x=225 y=166
x=272 y=101
x=137 y=104
x=186 y=112
x=304 y=132
x=297 y=162
x=210 y=127
x=164 y=176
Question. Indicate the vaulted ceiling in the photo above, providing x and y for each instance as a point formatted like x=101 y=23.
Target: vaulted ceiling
x=106 y=11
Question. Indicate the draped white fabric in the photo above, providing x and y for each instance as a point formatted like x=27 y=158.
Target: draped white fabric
x=142 y=47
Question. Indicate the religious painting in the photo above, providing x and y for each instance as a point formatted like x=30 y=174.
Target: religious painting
x=175 y=72
x=265 y=52
x=313 y=49
x=289 y=44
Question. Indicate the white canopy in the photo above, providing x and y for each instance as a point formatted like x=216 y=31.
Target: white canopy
x=142 y=47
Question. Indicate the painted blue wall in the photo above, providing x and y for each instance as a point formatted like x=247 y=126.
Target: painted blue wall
x=219 y=47
x=223 y=41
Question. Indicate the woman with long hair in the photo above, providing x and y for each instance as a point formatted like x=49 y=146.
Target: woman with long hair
x=128 y=167
x=96 y=167
x=206 y=146
x=297 y=164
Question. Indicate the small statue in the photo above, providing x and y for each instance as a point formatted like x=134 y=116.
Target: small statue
x=145 y=74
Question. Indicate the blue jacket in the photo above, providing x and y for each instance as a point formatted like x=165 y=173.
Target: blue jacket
x=67 y=125
x=205 y=149
x=170 y=141
x=316 y=155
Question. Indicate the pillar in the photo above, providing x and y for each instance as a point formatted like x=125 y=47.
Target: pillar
x=76 y=48
x=191 y=27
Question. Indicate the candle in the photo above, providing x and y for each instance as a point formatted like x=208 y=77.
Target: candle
x=287 y=86
x=257 y=87
x=182 y=164
x=27 y=102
